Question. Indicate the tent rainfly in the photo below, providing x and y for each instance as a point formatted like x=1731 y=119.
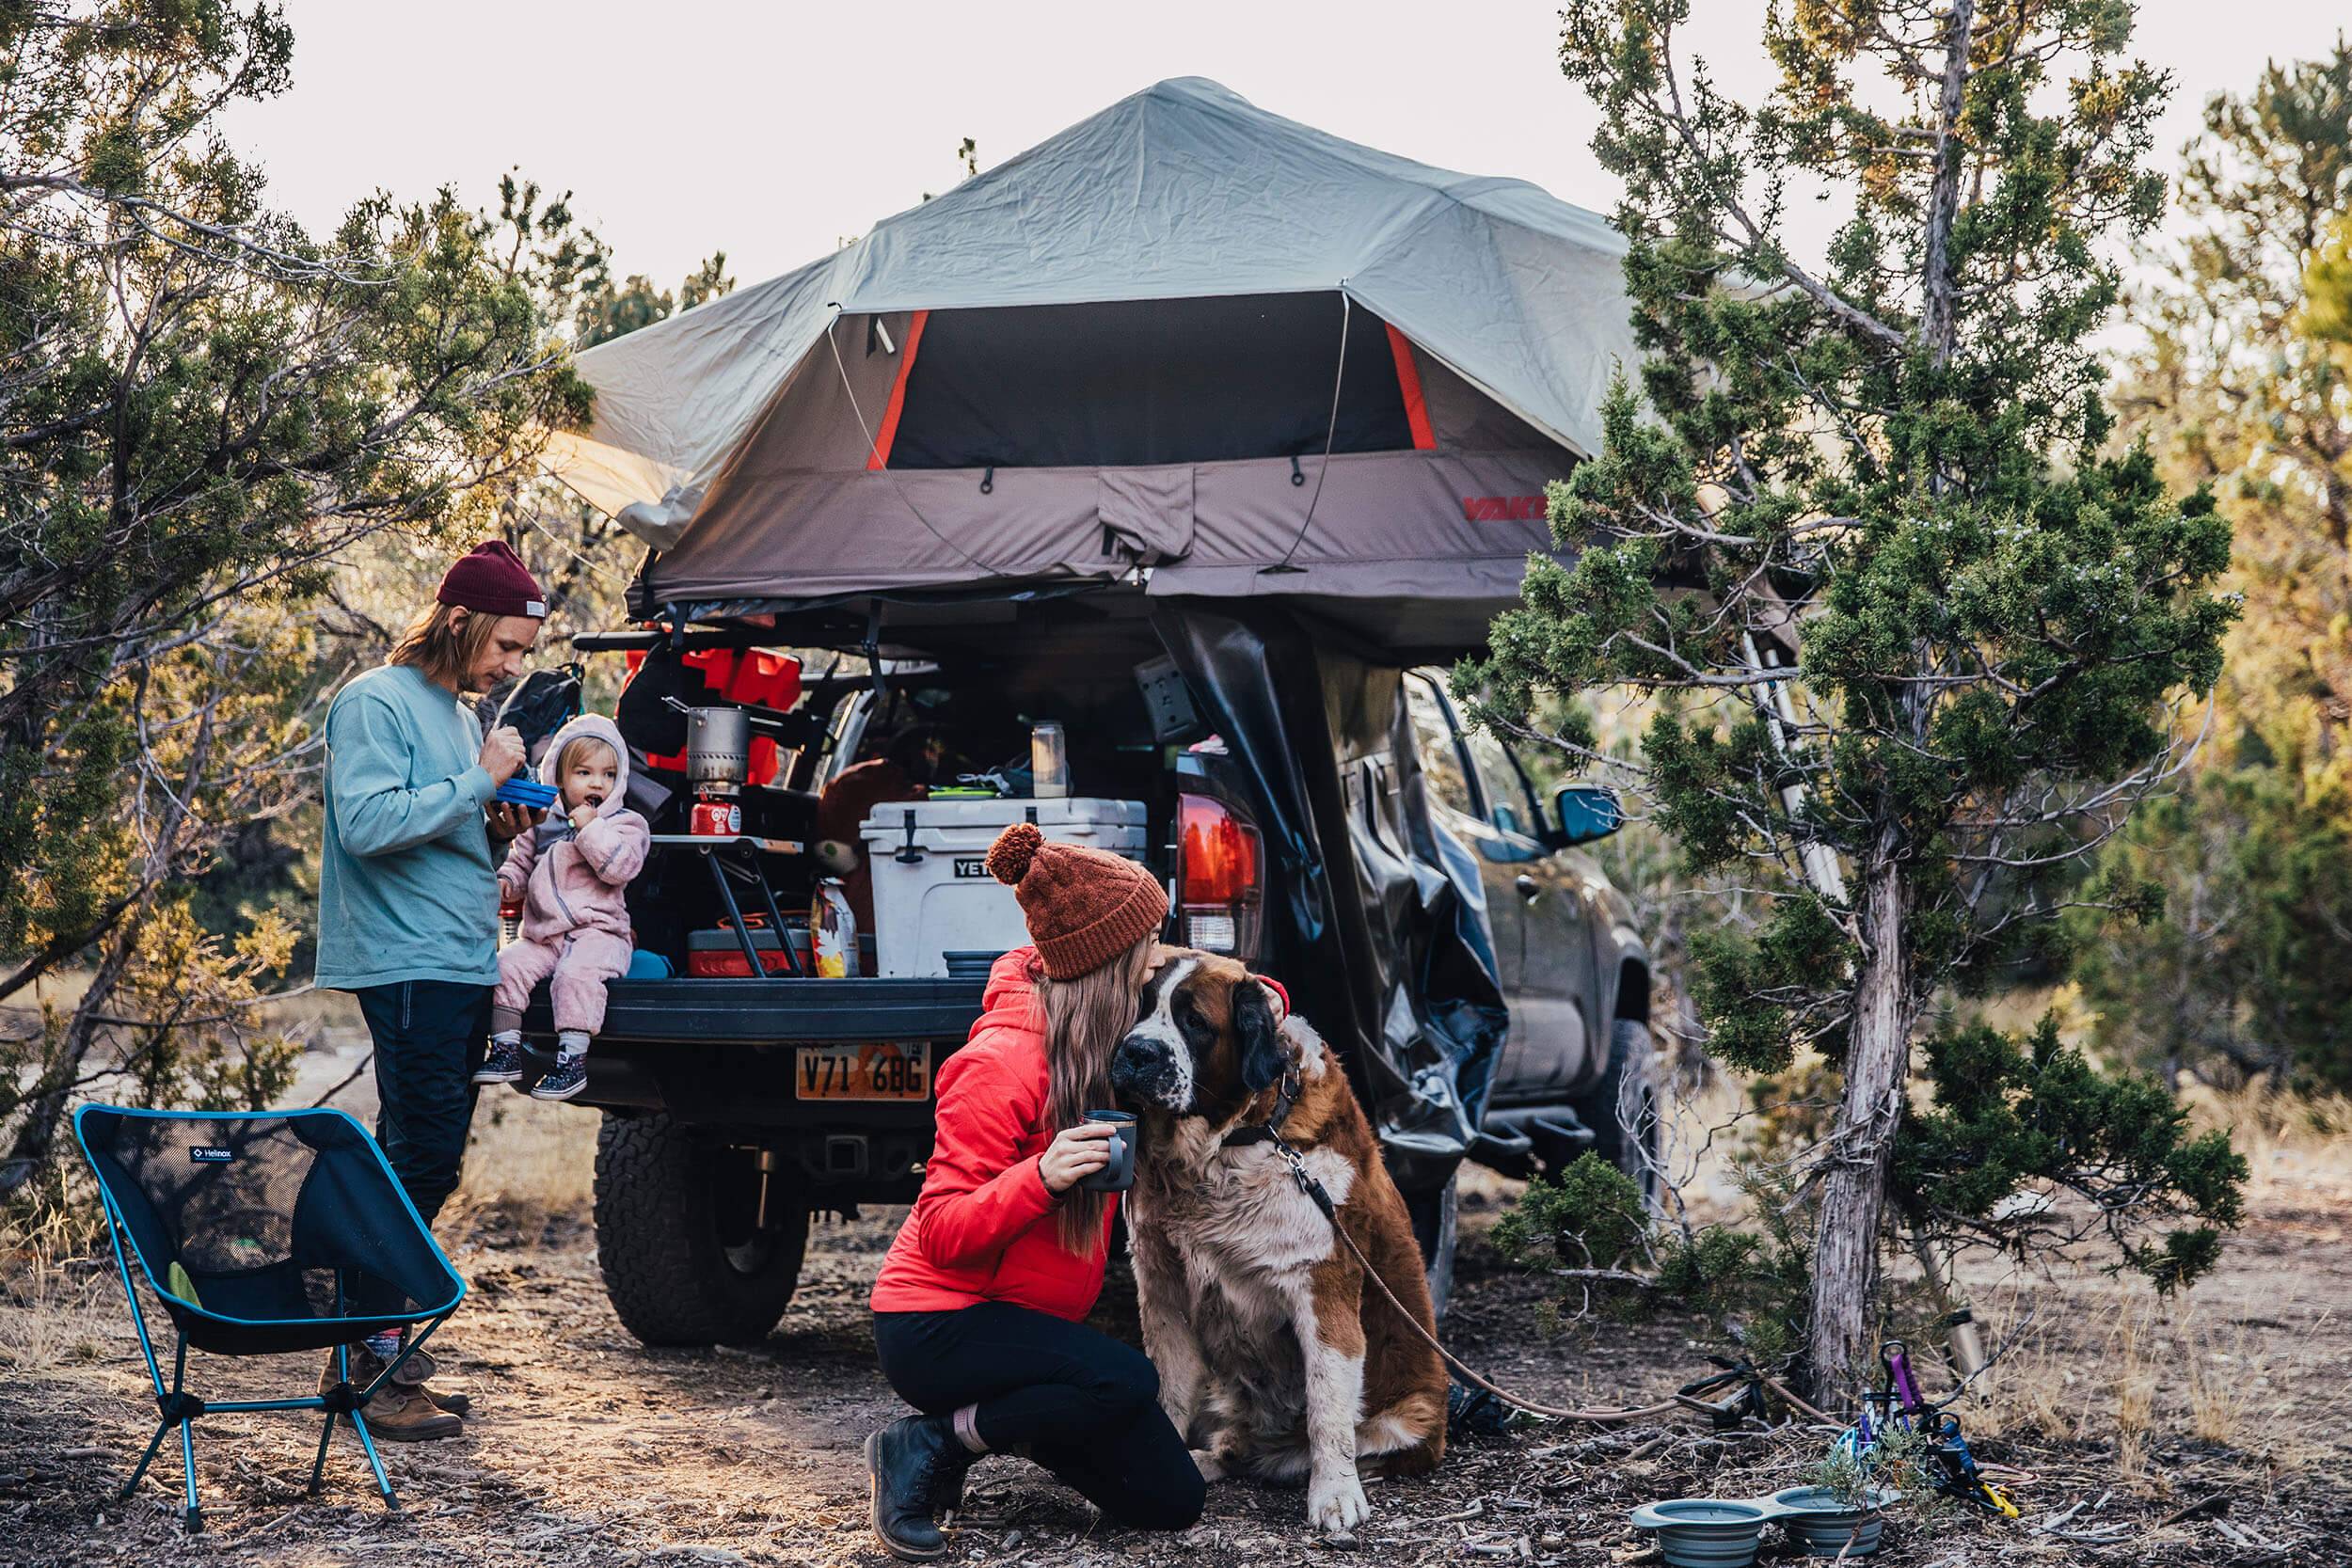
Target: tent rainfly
x=1186 y=345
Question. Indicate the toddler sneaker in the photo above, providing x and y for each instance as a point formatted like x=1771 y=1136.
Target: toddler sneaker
x=504 y=1064
x=566 y=1078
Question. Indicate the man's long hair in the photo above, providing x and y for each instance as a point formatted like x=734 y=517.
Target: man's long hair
x=1085 y=1020
x=444 y=648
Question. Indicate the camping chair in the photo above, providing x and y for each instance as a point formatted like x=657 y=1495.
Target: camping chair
x=254 y=1229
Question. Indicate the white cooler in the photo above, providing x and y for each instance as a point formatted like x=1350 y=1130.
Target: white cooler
x=932 y=893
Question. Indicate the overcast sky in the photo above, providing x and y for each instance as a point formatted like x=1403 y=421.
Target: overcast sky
x=771 y=131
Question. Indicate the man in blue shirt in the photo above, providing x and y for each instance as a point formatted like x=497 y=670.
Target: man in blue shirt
x=408 y=896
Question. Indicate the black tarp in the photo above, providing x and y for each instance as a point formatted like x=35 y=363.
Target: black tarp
x=1378 y=926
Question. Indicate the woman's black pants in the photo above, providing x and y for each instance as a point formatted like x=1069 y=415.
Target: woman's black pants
x=1087 y=1407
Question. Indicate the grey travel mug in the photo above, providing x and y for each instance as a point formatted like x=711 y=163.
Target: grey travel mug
x=1119 y=1174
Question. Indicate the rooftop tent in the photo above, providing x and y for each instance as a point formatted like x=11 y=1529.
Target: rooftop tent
x=1123 y=357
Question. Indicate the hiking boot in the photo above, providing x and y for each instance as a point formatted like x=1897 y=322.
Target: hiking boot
x=504 y=1064
x=366 y=1366
x=904 y=1461
x=566 y=1078
x=403 y=1412
x=948 y=1481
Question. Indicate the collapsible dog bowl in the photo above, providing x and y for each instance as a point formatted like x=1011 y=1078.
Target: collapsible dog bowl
x=1705 y=1532
x=519 y=791
x=1818 y=1521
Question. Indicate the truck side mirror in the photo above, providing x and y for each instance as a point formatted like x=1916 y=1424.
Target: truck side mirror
x=1587 y=812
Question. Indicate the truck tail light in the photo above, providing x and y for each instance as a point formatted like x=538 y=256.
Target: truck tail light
x=1219 y=885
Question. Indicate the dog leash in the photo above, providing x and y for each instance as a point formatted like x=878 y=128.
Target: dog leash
x=1268 y=1132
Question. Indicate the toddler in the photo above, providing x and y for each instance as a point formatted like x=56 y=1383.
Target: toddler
x=570 y=871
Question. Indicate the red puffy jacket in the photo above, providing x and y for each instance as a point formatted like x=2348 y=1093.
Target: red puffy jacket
x=984 y=1228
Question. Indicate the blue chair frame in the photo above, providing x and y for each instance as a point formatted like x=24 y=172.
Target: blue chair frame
x=175 y=1406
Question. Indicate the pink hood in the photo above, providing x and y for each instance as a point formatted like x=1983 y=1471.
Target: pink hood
x=573 y=881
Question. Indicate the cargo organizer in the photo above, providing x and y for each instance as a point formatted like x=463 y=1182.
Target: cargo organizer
x=932 y=893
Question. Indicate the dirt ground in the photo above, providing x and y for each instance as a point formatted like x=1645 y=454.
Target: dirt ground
x=586 y=1449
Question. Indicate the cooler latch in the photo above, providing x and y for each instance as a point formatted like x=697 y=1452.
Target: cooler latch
x=910 y=853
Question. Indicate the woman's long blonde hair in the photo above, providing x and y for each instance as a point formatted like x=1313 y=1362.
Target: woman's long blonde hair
x=1085 y=1020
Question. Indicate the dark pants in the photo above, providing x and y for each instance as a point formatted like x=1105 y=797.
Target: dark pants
x=430 y=1036
x=1087 y=1406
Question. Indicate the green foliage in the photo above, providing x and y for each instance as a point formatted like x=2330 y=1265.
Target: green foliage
x=1919 y=631
x=1898 y=1461
x=205 y=413
x=2242 y=390
x=1590 y=1228
x=2013 y=1115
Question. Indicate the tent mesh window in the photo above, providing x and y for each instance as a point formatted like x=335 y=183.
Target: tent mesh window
x=1137 y=383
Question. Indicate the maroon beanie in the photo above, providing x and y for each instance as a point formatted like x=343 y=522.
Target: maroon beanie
x=492 y=578
x=1085 y=907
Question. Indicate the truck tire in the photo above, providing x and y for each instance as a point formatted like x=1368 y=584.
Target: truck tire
x=1433 y=1214
x=684 y=1261
x=1622 y=1108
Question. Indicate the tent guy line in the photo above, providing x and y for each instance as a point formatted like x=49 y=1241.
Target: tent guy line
x=1339 y=379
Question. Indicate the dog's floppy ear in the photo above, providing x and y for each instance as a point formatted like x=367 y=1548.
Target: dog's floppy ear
x=1264 y=1055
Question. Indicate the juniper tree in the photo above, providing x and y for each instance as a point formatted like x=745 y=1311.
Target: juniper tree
x=2245 y=383
x=203 y=410
x=1918 y=638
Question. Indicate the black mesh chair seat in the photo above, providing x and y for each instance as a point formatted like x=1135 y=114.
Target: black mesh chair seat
x=256 y=1231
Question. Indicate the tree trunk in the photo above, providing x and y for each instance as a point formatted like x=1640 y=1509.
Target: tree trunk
x=1938 y=322
x=1853 y=1193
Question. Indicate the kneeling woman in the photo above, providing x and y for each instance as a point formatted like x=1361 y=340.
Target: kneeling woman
x=977 y=1310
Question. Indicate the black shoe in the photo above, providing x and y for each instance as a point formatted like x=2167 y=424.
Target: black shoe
x=503 y=1064
x=948 y=1481
x=566 y=1078
x=904 y=1460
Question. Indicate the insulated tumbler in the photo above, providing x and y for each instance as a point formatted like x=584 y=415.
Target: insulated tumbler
x=1119 y=1174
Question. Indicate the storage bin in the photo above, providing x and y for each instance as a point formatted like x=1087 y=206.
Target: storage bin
x=932 y=893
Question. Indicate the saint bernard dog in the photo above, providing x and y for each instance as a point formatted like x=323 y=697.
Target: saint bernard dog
x=1277 y=1358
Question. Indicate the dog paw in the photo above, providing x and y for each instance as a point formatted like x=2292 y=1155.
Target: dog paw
x=1336 y=1503
x=1210 y=1467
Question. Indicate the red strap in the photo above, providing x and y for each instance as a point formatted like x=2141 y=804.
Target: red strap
x=1409 y=383
x=889 y=432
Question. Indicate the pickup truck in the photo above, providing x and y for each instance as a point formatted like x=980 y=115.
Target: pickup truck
x=1415 y=862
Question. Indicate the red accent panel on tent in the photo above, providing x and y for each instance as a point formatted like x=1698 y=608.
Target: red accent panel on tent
x=889 y=432
x=753 y=678
x=1407 y=383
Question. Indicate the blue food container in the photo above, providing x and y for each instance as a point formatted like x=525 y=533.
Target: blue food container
x=519 y=791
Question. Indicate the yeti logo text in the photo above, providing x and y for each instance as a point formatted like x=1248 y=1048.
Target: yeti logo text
x=1502 y=509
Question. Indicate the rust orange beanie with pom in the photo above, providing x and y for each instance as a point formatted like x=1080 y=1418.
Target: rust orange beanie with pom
x=1085 y=907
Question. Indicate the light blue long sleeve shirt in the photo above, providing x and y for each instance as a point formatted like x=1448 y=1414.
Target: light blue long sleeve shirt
x=408 y=890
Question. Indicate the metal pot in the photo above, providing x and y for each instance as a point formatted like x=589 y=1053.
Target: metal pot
x=717 y=746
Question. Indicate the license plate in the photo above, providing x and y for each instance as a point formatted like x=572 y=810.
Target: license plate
x=872 y=1071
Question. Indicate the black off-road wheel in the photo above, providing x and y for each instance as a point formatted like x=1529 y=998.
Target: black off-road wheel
x=1622 y=1108
x=684 y=1258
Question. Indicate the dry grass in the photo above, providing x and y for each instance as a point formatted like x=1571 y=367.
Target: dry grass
x=528 y=1158
x=2293 y=1144
x=57 y=1279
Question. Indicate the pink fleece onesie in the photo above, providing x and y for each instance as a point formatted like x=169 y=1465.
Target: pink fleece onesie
x=575 y=925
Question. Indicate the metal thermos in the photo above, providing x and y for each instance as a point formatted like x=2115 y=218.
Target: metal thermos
x=1049 y=760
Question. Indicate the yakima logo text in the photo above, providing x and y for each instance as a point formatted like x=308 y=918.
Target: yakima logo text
x=1502 y=509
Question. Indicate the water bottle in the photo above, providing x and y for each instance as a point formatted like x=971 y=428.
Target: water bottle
x=832 y=933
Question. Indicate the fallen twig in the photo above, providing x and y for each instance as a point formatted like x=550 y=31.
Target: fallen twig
x=2218 y=1503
